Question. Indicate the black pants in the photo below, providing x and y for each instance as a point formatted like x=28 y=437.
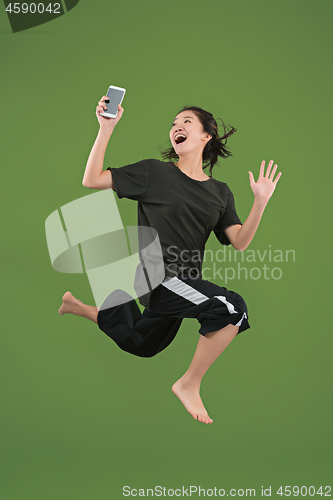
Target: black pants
x=148 y=333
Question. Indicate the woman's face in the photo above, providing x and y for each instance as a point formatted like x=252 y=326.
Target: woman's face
x=187 y=133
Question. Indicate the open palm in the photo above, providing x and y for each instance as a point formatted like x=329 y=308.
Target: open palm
x=265 y=185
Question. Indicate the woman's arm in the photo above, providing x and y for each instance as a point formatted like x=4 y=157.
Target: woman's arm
x=241 y=236
x=94 y=176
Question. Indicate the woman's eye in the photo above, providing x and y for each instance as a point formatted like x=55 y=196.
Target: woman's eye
x=184 y=122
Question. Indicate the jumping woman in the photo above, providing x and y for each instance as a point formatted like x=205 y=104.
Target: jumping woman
x=184 y=205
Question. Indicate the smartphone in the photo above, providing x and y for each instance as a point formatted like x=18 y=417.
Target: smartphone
x=115 y=95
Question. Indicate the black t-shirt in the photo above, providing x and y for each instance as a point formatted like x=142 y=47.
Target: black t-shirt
x=182 y=210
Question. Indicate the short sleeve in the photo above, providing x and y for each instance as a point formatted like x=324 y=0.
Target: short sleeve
x=131 y=181
x=227 y=218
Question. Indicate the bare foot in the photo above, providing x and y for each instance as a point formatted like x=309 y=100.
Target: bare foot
x=192 y=401
x=69 y=304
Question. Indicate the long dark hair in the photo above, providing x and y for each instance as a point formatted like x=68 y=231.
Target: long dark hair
x=215 y=147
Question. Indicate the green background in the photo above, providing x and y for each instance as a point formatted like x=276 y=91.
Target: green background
x=80 y=418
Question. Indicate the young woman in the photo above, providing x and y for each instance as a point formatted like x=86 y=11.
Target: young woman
x=184 y=205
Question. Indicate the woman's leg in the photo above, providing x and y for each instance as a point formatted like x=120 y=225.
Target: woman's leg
x=187 y=388
x=75 y=306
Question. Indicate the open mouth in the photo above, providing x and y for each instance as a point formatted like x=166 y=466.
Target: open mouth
x=180 y=138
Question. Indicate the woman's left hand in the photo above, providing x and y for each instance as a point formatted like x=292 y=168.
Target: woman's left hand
x=265 y=185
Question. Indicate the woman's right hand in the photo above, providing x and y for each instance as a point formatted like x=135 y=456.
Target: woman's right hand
x=104 y=122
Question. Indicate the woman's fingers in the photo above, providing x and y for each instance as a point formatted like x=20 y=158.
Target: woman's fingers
x=270 y=173
x=262 y=169
x=252 y=181
x=101 y=104
x=101 y=107
x=273 y=172
x=120 y=112
x=269 y=169
x=277 y=177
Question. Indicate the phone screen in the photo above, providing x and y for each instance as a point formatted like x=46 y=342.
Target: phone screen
x=115 y=97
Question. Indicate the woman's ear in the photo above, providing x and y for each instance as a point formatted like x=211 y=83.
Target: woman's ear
x=207 y=138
